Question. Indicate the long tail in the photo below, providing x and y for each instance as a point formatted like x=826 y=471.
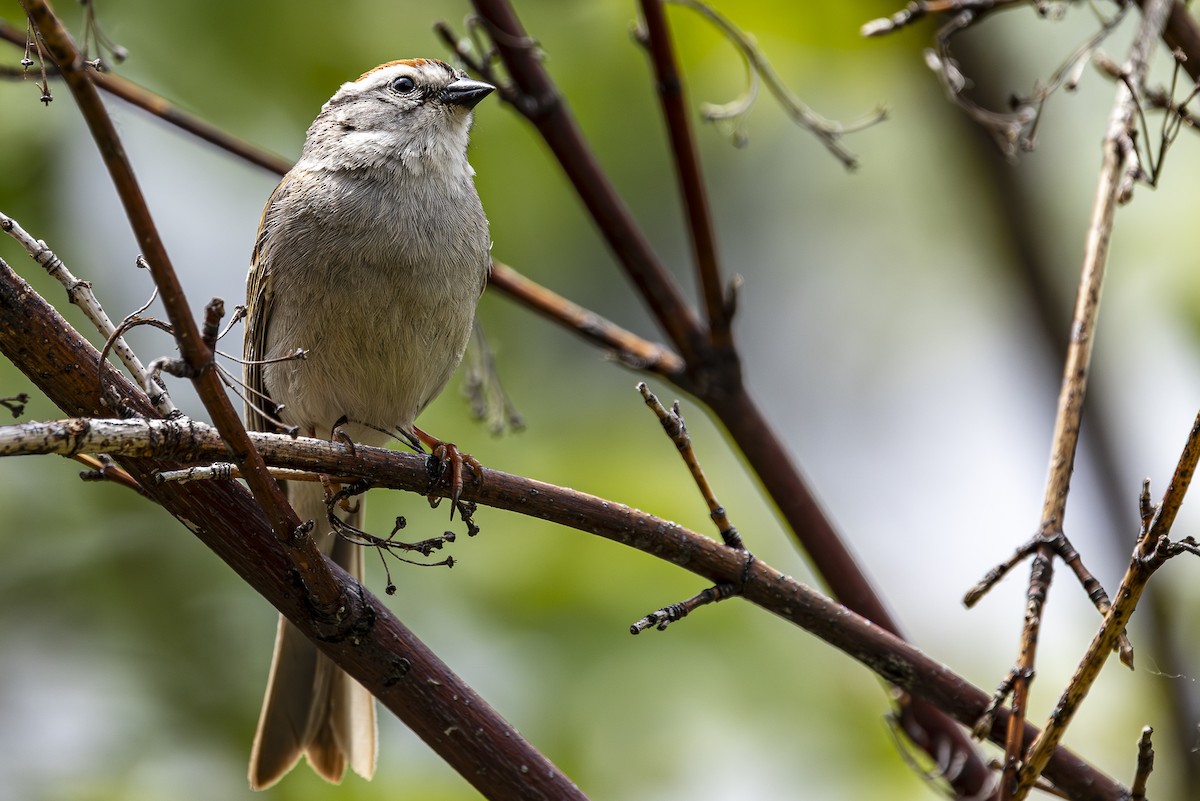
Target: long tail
x=311 y=707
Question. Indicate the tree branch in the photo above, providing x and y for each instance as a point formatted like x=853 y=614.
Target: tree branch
x=162 y=108
x=544 y=106
x=364 y=638
x=714 y=374
x=692 y=191
x=377 y=649
x=628 y=348
x=198 y=356
x=1153 y=549
x=768 y=587
x=1119 y=151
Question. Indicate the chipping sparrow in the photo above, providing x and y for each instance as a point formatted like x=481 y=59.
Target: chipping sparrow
x=371 y=255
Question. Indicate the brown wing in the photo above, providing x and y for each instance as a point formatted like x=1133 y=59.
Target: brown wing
x=260 y=409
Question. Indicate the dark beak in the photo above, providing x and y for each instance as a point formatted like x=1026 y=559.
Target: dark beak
x=466 y=92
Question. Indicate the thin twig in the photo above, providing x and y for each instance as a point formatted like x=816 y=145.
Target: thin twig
x=664 y=617
x=626 y=347
x=672 y=423
x=1014 y=130
x=828 y=132
x=1145 y=765
x=225 y=471
x=1176 y=114
x=94 y=34
x=1117 y=151
x=102 y=468
x=15 y=403
x=162 y=108
x=1153 y=549
x=31 y=38
x=80 y=294
x=692 y=191
x=919 y=9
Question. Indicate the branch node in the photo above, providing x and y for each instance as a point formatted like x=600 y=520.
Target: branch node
x=1145 y=764
x=214 y=310
x=664 y=617
x=301 y=532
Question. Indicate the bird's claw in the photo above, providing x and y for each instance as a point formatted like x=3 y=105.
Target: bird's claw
x=451 y=460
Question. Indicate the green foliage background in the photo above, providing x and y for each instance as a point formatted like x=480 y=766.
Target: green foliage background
x=883 y=331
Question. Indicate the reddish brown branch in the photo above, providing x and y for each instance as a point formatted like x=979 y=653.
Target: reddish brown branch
x=544 y=106
x=712 y=374
x=628 y=348
x=165 y=110
x=765 y=585
x=692 y=190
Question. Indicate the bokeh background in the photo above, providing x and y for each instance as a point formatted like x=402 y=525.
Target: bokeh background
x=888 y=329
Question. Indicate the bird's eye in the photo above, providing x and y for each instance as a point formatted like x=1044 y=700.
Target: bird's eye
x=403 y=85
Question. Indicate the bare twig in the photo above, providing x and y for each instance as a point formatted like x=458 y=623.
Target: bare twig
x=30 y=38
x=919 y=9
x=1153 y=549
x=103 y=468
x=1019 y=215
x=1182 y=31
x=692 y=191
x=162 y=108
x=626 y=347
x=93 y=34
x=664 y=617
x=672 y=423
x=1060 y=545
x=1013 y=130
x=80 y=293
x=1145 y=765
x=1176 y=117
x=15 y=403
x=1117 y=149
x=828 y=132
x=224 y=471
